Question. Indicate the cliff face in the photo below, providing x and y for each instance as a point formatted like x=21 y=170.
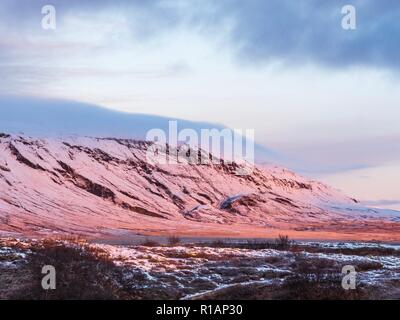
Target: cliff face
x=105 y=186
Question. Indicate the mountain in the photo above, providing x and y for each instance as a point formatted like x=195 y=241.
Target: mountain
x=105 y=187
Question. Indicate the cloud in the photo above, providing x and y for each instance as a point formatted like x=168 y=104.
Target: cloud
x=291 y=32
x=150 y=16
x=381 y=202
x=335 y=157
x=298 y=32
x=56 y=117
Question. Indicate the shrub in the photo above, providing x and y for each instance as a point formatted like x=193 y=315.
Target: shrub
x=317 y=279
x=368 y=265
x=79 y=274
x=283 y=242
x=218 y=244
x=150 y=243
x=174 y=240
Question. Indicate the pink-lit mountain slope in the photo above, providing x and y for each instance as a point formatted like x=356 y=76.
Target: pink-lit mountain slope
x=105 y=187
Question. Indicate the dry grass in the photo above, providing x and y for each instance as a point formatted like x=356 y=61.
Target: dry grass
x=80 y=274
x=150 y=243
x=281 y=243
x=317 y=279
x=83 y=272
x=312 y=279
x=88 y=272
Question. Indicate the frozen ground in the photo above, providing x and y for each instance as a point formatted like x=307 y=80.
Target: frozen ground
x=194 y=271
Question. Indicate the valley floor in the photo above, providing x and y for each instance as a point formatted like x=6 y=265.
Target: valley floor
x=219 y=269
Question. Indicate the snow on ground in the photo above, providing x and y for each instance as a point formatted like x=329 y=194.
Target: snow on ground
x=11 y=258
x=230 y=266
x=196 y=270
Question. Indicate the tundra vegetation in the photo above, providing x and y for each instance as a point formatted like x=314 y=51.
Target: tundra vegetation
x=223 y=269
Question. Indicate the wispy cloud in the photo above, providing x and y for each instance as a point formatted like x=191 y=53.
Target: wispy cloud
x=382 y=202
x=349 y=155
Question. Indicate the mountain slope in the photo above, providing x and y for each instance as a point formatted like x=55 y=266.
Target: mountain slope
x=105 y=186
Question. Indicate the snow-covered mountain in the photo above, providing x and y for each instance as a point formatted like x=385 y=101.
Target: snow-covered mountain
x=100 y=186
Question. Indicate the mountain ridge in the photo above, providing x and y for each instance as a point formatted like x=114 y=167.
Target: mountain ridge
x=101 y=186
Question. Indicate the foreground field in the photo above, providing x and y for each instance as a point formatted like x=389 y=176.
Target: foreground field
x=217 y=270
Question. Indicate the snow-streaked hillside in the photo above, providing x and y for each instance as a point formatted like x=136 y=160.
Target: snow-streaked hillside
x=100 y=186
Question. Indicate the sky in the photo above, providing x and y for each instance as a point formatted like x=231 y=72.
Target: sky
x=325 y=97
